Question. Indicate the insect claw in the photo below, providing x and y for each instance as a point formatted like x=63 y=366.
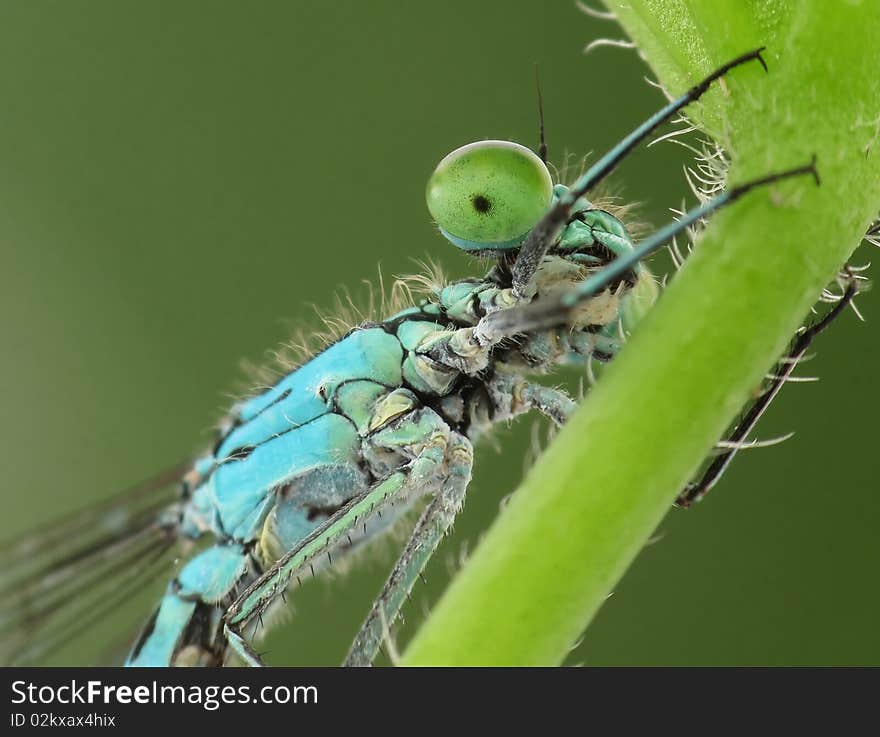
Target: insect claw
x=814 y=170
x=761 y=58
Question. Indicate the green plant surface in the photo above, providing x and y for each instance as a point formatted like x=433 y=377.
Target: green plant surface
x=590 y=503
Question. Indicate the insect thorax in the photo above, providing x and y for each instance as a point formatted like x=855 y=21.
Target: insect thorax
x=340 y=421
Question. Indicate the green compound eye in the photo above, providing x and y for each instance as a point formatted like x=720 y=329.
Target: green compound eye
x=488 y=195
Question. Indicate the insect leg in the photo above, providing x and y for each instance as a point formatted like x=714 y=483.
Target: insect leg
x=502 y=324
x=434 y=523
x=513 y=395
x=696 y=490
x=552 y=403
x=543 y=234
x=424 y=434
x=257 y=597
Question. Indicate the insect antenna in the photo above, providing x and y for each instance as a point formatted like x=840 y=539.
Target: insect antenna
x=542 y=146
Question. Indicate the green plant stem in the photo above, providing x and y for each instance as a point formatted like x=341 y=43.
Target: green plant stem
x=588 y=506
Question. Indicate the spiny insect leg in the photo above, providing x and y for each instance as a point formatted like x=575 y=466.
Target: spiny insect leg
x=621 y=265
x=503 y=324
x=243 y=650
x=428 y=445
x=543 y=234
x=696 y=490
x=427 y=534
x=260 y=594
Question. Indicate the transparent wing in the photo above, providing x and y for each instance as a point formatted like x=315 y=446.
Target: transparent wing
x=59 y=579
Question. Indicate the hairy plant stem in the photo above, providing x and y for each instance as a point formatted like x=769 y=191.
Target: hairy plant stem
x=592 y=500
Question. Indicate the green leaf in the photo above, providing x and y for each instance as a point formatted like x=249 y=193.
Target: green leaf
x=588 y=506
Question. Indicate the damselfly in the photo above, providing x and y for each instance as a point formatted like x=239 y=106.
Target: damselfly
x=339 y=447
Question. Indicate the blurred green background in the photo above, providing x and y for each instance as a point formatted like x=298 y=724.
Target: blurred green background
x=180 y=180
